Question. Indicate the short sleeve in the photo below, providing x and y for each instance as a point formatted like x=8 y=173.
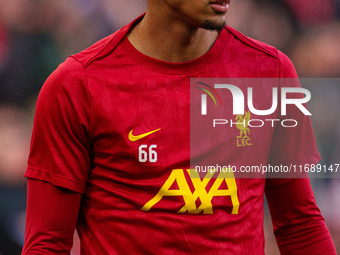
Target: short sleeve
x=60 y=147
x=292 y=145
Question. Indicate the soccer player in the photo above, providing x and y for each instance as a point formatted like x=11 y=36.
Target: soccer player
x=110 y=150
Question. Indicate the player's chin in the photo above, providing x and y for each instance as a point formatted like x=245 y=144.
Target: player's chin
x=214 y=25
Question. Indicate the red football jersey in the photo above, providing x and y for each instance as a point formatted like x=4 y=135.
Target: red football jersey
x=114 y=124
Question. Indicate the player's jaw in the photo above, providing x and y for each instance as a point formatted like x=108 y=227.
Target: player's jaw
x=208 y=14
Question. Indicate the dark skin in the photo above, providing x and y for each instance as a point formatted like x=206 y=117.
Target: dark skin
x=175 y=30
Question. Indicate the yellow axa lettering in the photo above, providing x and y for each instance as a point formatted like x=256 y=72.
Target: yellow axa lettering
x=177 y=175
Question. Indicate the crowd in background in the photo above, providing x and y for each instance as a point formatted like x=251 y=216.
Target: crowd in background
x=37 y=35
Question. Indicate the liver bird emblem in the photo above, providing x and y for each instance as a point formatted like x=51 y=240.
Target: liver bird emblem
x=242 y=125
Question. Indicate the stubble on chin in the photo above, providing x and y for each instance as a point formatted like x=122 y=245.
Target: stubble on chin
x=213 y=25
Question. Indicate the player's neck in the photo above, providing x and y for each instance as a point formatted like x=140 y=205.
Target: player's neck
x=170 y=40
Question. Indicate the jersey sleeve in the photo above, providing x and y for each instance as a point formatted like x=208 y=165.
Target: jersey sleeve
x=51 y=218
x=292 y=145
x=60 y=147
x=299 y=227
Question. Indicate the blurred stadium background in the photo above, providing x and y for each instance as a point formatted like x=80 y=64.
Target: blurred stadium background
x=37 y=35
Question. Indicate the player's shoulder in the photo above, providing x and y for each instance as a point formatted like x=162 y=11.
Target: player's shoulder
x=284 y=63
x=103 y=47
x=100 y=49
x=253 y=44
x=76 y=64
